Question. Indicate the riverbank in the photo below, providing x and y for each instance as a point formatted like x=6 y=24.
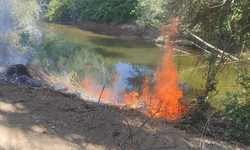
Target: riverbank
x=123 y=31
x=47 y=119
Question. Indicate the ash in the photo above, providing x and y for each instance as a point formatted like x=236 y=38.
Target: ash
x=18 y=74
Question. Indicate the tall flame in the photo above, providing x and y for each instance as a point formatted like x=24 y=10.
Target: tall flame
x=164 y=98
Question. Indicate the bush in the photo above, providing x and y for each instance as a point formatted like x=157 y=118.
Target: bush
x=145 y=12
x=237 y=105
x=56 y=8
x=97 y=10
x=149 y=13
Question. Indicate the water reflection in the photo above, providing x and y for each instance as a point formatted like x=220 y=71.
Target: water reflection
x=132 y=76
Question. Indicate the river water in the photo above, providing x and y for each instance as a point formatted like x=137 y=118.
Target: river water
x=122 y=62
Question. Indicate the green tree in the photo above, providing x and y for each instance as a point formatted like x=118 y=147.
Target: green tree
x=224 y=21
x=149 y=13
x=222 y=27
x=117 y=10
x=56 y=8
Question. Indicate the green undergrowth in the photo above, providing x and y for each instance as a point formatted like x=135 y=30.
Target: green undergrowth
x=236 y=105
x=143 y=12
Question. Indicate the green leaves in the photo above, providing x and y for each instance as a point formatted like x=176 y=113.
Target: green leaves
x=228 y=94
x=56 y=8
x=237 y=105
x=117 y=10
x=149 y=13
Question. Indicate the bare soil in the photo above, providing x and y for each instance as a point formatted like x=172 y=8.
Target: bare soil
x=46 y=119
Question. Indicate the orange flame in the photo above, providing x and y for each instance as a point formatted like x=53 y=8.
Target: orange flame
x=105 y=94
x=131 y=99
x=87 y=87
x=163 y=100
x=88 y=67
x=166 y=94
x=88 y=103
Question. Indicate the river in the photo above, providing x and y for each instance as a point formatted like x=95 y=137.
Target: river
x=122 y=62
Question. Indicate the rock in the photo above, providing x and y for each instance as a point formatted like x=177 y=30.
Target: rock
x=131 y=27
x=161 y=39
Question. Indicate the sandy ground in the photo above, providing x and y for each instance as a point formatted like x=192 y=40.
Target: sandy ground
x=49 y=120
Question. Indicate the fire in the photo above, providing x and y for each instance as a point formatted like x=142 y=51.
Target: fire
x=164 y=99
x=114 y=102
x=88 y=67
x=105 y=94
x=88 y=103
x=87 y=87
x=131 y=99
x=161 y=100
x=165 y=95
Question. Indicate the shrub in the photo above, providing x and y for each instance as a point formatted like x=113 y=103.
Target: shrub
x=237 y=105
x=149 y=12
x=97 y=10
x=145 y=12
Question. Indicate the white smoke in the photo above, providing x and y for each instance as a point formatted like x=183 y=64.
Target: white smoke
x=14 y=21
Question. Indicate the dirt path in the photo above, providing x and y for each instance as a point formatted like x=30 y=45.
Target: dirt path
x=48 y=120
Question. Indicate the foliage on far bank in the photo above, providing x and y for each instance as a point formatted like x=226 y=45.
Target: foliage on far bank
x=150 y=13
x=143 y=12
x=222 y=23
x=94 y=10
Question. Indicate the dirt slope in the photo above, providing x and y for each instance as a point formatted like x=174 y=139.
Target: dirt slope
x=48 y=120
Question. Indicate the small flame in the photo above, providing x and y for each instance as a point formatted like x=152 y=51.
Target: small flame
x=88 y=67
x=88 y=103
x=87 y=87
x=105 y=94
x=131 y=99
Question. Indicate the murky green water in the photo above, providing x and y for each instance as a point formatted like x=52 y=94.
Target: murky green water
x=72 y=49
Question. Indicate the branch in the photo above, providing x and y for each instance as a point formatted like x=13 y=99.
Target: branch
x=213 y=47
x=97 y=107
x=175 y=49
x=224 y=1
